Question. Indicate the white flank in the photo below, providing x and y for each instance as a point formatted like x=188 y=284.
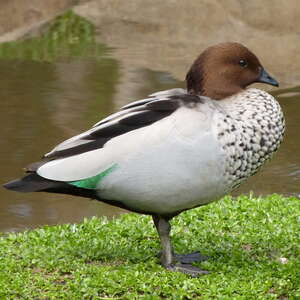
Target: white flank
x=192 y=157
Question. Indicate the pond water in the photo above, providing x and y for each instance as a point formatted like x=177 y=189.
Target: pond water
x=62 y=82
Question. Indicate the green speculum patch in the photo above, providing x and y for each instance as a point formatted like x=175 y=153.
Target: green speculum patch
x=92 y=182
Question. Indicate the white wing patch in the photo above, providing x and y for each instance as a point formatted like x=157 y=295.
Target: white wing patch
x=116 y=150
x=119 y=146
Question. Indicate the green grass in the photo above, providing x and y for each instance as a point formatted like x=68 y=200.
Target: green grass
x=253 y=244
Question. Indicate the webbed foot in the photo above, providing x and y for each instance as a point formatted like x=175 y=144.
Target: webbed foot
x=191 y=257
x=188 y=258
x=175 y=262
x=186 y=269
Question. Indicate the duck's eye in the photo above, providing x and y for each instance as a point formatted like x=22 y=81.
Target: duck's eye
x=243 y=63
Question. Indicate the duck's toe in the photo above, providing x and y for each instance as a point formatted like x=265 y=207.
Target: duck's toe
x=187 y=269
x=191 y=257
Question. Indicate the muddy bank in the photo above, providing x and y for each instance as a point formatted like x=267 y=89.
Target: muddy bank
x=168 y=35
x=18 y=17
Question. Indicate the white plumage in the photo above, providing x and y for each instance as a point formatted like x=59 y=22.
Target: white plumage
x=176 y=163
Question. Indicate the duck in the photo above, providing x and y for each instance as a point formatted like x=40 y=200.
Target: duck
x=175 y=150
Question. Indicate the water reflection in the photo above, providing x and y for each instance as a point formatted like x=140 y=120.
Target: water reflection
x=50 y=89
x=45 y=102
x=42 y=104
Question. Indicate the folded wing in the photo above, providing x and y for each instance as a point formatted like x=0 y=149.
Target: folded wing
x=94 y=151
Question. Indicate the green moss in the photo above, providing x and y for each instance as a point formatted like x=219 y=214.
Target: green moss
x=253 y=244
x=68 y=35
x=36 y=66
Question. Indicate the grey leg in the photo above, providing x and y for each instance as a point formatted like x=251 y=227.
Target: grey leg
x=163 y=228
x=167 y=258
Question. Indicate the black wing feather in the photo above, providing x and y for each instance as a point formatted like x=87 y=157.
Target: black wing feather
x=144 y=118
x=133 y=116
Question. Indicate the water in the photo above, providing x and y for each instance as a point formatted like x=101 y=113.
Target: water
x=59 y=84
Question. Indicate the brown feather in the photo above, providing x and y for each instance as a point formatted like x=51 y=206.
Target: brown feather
x=216 y=73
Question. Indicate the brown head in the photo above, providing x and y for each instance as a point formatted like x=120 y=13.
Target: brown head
x=224 y=70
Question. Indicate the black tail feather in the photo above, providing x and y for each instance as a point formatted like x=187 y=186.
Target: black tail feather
x=35 y=183
x=30 y=183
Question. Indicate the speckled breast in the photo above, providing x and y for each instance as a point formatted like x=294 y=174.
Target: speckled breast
x=250 y=131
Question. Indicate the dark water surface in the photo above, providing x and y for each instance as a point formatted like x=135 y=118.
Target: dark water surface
x=51 y=92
